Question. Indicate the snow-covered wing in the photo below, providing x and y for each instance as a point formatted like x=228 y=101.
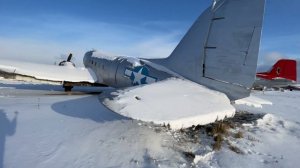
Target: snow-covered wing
x=180 y=103
x=53 y=74
x=253 y=101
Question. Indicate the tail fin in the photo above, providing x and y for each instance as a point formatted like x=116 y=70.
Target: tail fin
x=298 y=71
x=283 y=68
x=220 y=50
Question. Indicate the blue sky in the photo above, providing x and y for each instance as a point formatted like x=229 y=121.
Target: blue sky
x=42 y=31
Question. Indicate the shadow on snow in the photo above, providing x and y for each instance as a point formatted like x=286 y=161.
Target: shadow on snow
x=48 y=87
x=7 y=128
x=86 y=108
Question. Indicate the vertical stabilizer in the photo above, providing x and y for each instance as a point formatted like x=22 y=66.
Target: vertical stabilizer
x=298 y=71
x=283 y=69
x=220 y=50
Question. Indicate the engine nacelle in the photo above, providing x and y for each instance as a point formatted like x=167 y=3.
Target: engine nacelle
x=68 y=62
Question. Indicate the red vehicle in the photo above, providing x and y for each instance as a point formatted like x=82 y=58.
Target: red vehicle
x=283 y=74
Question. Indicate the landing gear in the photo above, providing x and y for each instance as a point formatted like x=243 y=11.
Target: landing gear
x=67 y=87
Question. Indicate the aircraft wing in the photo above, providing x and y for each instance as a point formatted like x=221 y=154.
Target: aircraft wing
x=176 y=102
x=42 y=73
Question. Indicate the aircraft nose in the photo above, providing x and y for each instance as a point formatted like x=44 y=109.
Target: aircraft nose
x=87 y=57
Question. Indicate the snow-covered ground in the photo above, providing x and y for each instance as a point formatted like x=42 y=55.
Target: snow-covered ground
x=41 y=126
x=274 y=140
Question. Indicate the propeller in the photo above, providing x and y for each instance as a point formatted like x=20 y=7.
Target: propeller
x=70 y=57
x=67 y=62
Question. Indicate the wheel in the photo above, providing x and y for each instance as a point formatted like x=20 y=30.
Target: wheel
x=68 y=88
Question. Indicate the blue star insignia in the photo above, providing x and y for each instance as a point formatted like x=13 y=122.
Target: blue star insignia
x=139 y=75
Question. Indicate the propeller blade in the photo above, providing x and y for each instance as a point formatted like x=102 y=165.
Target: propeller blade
x=70 y=57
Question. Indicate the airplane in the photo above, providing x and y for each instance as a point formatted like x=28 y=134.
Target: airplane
x=283 y=74
x=219 y=51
